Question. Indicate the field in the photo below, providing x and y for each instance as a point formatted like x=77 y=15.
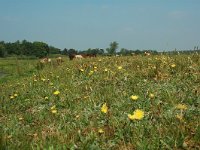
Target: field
x=125 y=103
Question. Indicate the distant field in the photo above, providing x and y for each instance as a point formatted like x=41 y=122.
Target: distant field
x=132 y=102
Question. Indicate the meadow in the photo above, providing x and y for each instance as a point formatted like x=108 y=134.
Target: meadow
x=120 y=103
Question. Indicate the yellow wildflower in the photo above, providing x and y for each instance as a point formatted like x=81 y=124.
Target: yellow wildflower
x=120 y=67
x=81 y=70
x=53 y=107
x=180 y=117
x=131 y=117
x=106 y=70
x=181 y=106
x=151 y=95
x=54 y=111
x=90 y=73
x=100 y=131
x=15 y=95
x=85 y=97
x=21 y=118
x=46 y=97
x=12 y=97
x=56 y=92
x=134 y=97
x=104 y=108
x=43 y=79
x=137 y=115
x=173 y=65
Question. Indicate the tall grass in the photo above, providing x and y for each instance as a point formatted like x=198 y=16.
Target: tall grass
x=33 y=116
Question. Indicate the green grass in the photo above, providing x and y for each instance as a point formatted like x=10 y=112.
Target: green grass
x=27 y=121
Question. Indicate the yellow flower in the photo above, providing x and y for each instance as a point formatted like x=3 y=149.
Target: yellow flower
x=46 y=97
x=21 y=118
x=104 y=108
x=53 y=107
x=15 y=95
x=106 y=70
x=173 y=65
x=12 y=97
x=81 y=70
x=134 y=97
x=54 y=111
x=137 y=115
x=151 y=95
x=180 y=117
x=56 y=92
x=131 y=117
x=181 y=106
x=120 y=67
x=90 y=73
x=85 y=97
x=95 y=67
x=43 y=79
x=100 y=131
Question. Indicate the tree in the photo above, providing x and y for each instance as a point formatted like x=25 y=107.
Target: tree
x=64 y=52
x=53 y=50
x=124 y=51
x=113 y=48
x=2 y=50
x=72 y=51
x=40 y=49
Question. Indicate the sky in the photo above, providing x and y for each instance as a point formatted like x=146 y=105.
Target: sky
x=160 y=25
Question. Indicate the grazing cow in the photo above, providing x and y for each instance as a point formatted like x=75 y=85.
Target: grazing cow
x=42 y=62
x=133 y=54
x=80 y=56
x=45 y=60
x=59 y=60
x=147 y=53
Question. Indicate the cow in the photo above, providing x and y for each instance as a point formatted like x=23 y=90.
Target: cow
x=59 y=60
x=147 y=53
x=80 y=56
x=42 y=62
x=45 y=60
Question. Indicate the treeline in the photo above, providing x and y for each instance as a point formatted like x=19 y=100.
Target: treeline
x=111 y=50
x=41 y=49
x=37 y=49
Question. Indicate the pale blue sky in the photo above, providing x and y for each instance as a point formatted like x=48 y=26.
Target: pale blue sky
x=83 y=24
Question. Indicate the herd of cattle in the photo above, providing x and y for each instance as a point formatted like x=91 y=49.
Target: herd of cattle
x=59 y=60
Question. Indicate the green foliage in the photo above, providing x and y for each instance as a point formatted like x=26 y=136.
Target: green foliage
x=2 y=50
x=37 y=49
x=113 y=48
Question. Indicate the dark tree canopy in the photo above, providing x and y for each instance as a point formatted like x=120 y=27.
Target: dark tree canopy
x=37 y=49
